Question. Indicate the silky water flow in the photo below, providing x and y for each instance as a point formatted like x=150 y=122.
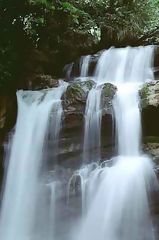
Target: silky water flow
x=114 y=194
x=23 y=185
x=116 y=198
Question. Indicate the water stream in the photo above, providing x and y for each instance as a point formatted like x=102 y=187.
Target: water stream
x=119 y=207
x=23 y=184
x=92 y=130
x=113 y=196
x=84 y=66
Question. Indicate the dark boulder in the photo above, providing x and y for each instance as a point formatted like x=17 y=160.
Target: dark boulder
x=108 y=92
x=149 y=94
x=41 y=81
x=74 y=99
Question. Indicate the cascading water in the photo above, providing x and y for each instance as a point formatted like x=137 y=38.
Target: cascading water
x=84 y=63
x=83 y=68
x=92 y=130
x=127 y=116
x=119 y=208
x=68 y=71
x=105 y=201
x=51 y=223
x=23 y=185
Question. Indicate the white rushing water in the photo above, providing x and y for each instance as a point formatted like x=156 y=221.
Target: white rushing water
x=22 y=186
x=113 y=195
x=51 y=223
x=84 y=66
x=68 y=71
x=92 y=134
x=118 y=209
x=127 y=114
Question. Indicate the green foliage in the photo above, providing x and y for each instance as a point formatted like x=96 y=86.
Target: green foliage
x=52 y=32
x=122 y=18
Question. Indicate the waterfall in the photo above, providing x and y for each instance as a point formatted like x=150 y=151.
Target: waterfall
x=106 y=200
x=68 y=71
x=93 y=115
x=51 y=223
x=84 y=63
x=119 y=208
x=128 y=122
x=82 y=68
x=22 y=186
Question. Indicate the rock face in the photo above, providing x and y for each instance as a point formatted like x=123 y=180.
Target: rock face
x=107 y=96
x=41 y=81
x=74 y=102
x=151 y=147
x=150 y=108
x=73 y=69
x=76 y=96
x=150 y=94
x=71 y=140
x=74 y=99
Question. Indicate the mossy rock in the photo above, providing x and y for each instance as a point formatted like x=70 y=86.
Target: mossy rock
x=109 y=90
x=152 y=149
x=107 y=96
x=78 y=91
x=42 y=81
x=76 y=95
x=149 y=94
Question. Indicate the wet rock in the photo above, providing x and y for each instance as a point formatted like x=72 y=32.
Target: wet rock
x=107 y=96
x=70 y=151
x=150 y=108
x=151 y=147
x=73 y=69
x=76 y=96
x=150 y=94
x=42 y=81
x=93 y=62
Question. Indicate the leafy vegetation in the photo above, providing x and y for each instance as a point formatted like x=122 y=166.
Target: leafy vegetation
x=40 y=36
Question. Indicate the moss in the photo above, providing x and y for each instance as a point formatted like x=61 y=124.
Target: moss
x=77 y=91
x=75 y=88
x=89 y=84
x=149 y=94
x=144 y=102
x=144 y=92
x=109 y=90
x=144 y=96
x=151 y=139
x=74 y=91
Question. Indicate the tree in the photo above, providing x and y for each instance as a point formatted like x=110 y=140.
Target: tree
x=40 y=36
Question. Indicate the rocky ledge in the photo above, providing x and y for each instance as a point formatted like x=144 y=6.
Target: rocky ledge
x=150 y=94
x=74 y=103
x=74 y=100
x=76 y=95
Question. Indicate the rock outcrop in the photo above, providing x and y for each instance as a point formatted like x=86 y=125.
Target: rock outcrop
x=74 y=99
x=74 y=102
x=150 y=94
x=41 y=81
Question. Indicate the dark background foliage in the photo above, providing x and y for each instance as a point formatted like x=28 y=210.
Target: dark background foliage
x=41 y=36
